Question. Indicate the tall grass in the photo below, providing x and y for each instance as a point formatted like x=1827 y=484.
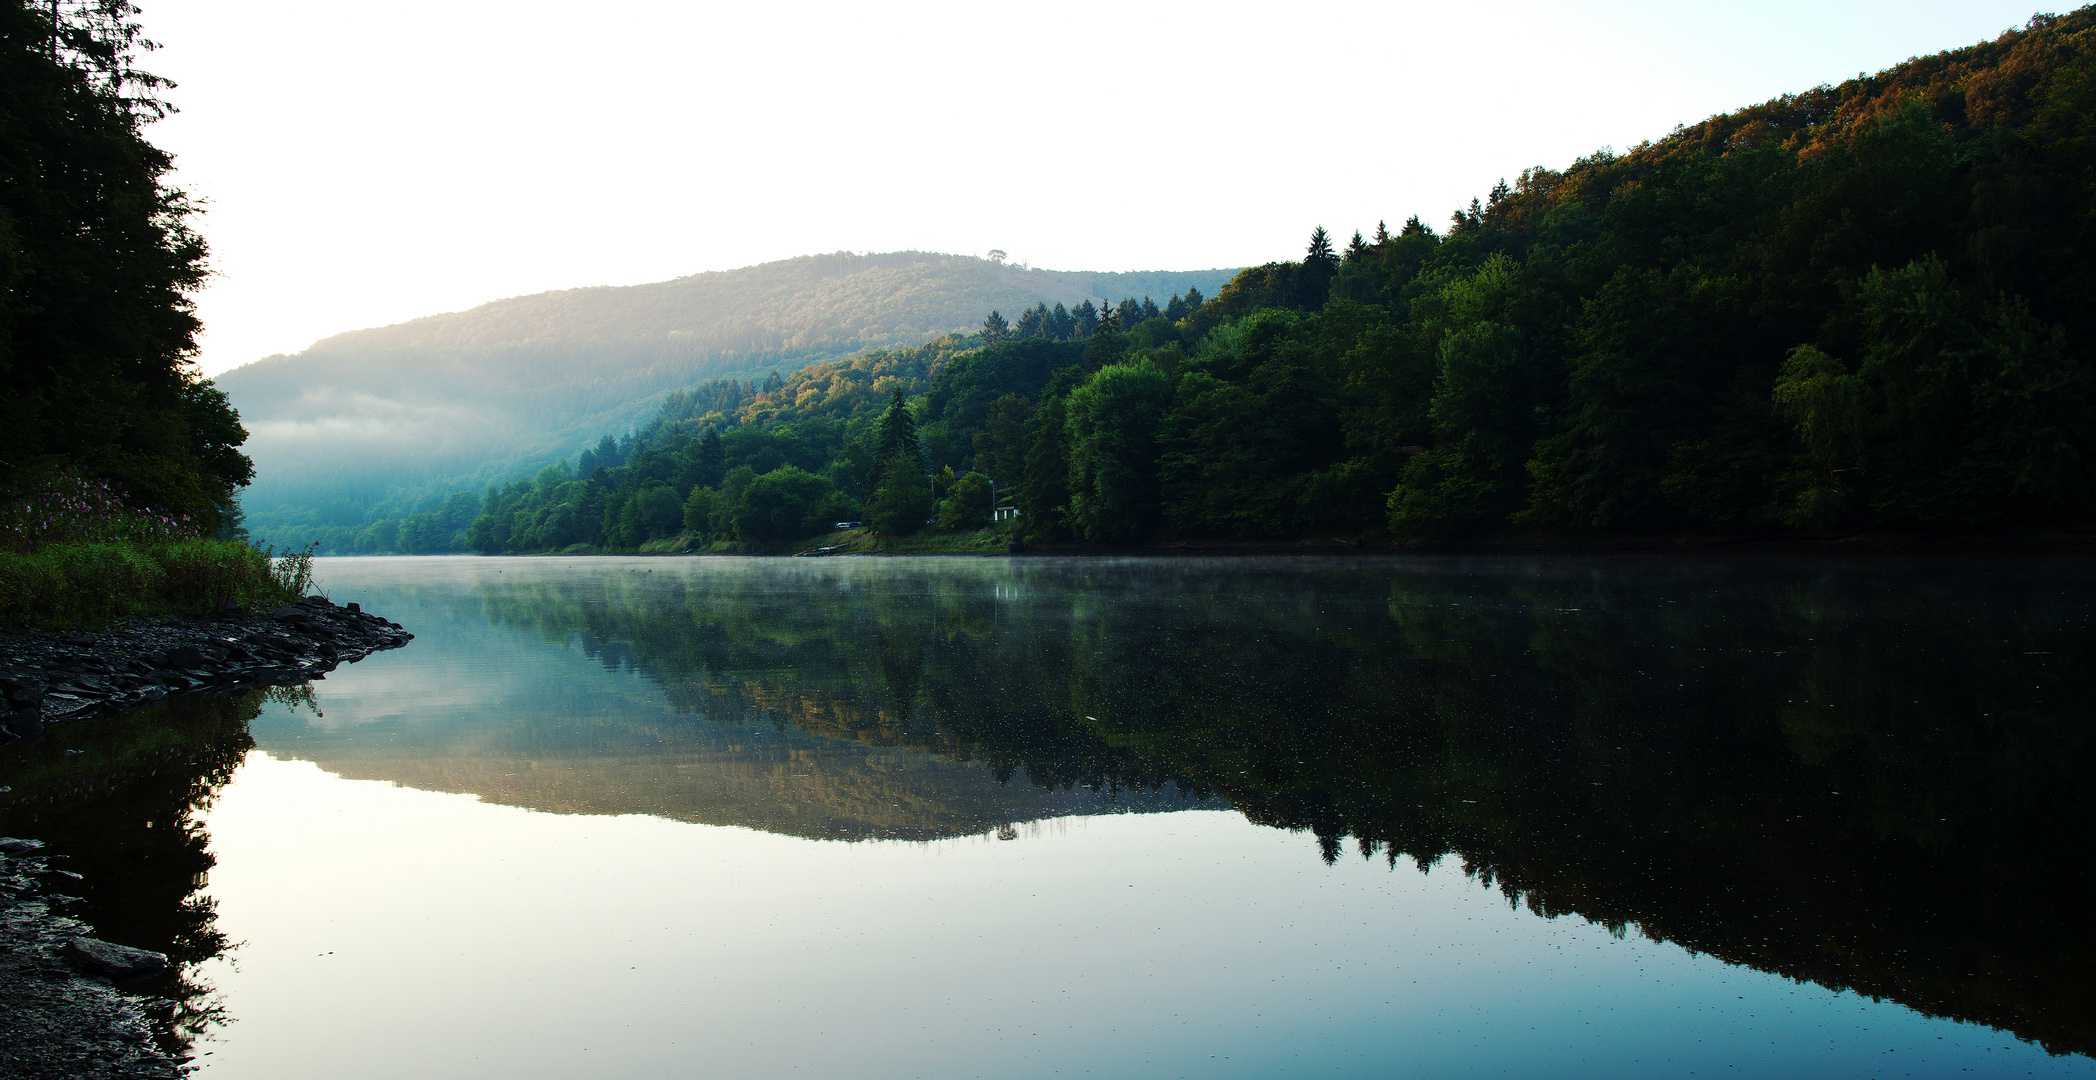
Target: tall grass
x=91 y=584
x=72 y=554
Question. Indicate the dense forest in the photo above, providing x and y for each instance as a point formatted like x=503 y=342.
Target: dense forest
x=1866 y=305
x=97 y=262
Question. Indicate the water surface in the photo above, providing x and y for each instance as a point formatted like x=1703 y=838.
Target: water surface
x=1030 y=817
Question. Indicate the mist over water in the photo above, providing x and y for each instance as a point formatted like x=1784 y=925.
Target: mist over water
x=1154 y=817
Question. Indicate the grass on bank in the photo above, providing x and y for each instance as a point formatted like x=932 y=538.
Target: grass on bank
x=74 y=554
x=89 y=584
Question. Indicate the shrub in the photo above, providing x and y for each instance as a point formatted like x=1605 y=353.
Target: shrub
x=780 y=505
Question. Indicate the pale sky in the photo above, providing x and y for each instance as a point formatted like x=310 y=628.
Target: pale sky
x=368 y=163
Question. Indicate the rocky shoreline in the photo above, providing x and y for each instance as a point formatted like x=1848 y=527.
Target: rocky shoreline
x=61 y=1012
x=49 y=678
x=62 y=1008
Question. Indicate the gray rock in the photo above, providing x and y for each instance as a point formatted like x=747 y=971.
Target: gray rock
x=185 y=656
x=11 y=846
x=118 y=962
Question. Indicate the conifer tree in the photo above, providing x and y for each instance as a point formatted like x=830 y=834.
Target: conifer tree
x=1499 y=194
x=713 y=459
x=900 y=494
x=1356 y=247
x=1086 y=320
x=897 y=439
x=1382 y=236
x=1061 y=324
x=1319 y=264
x=1320 y=248
x=995 y=329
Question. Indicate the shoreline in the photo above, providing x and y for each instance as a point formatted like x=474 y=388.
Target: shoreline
x=66 y=1014
x=66 y=1010
x=1859 y=543
x=49 y=677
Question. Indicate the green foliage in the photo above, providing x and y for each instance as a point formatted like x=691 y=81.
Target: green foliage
x=782 y=505
x=967 y=506
x=1044 y=496
x=1827 y=404
x=1112 y=421
x=1472 y=476
x=901 y=502
x=705 y=511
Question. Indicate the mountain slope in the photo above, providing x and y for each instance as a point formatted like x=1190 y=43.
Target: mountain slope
x=453 y=400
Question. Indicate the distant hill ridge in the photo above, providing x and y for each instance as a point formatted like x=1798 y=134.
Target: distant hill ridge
x=457 y=399
x=779 y=307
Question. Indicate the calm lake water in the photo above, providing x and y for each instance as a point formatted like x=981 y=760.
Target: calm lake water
x=1146 y=818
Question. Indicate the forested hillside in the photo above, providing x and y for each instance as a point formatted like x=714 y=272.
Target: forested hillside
x=366 y=422
x=1867 y=305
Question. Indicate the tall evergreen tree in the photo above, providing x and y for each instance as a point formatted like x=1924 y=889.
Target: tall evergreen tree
x=713 y=459
x=1320 y=263
x=995 y=329
x=1086 y=320
x=1320 y=250
x=901 y=497
x=896 y=441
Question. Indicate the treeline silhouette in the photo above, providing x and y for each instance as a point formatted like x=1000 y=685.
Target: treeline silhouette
x=97 y=264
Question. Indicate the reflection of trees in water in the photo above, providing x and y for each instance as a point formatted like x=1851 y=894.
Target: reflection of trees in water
x=119 y=797
x=1872 y=781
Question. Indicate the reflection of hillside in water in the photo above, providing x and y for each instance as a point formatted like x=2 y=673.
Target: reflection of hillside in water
x=618 y=719
x=766 y=778
x=1874 y=781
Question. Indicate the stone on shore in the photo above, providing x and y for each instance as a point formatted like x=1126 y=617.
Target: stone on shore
x=111 y=961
